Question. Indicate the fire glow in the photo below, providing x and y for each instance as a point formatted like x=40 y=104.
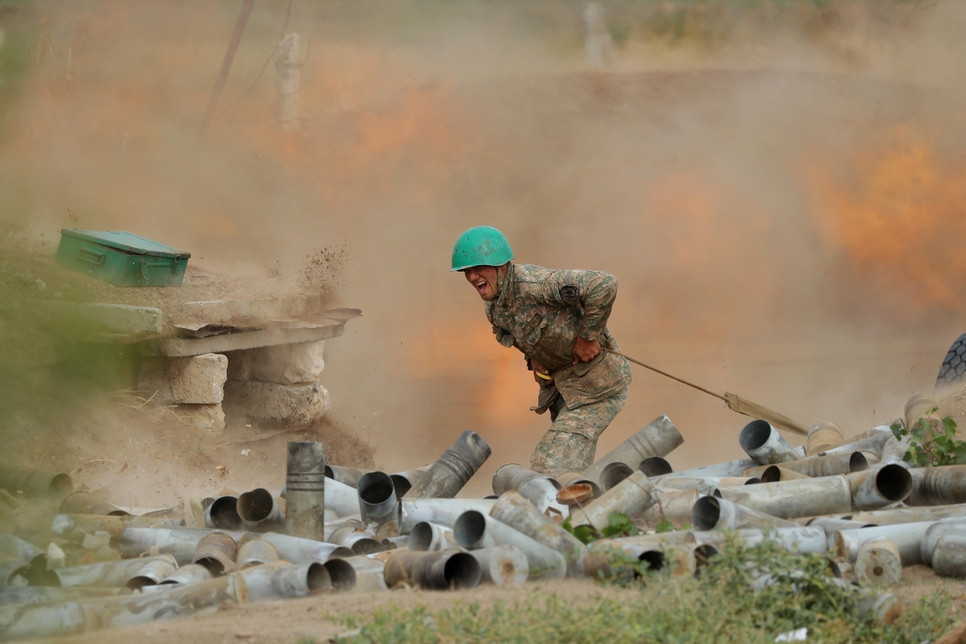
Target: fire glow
x=893 y=214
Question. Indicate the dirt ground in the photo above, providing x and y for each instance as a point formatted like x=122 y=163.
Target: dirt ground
x=778 y=201
x=313 y=618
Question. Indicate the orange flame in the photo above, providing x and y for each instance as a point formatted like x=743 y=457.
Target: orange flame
x=893 y=213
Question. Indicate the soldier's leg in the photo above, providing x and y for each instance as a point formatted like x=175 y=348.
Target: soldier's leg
x=571 y=442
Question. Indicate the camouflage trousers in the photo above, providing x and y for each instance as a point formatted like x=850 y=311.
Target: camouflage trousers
x=571 y=442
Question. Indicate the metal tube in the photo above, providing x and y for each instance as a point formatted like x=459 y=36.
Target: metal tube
x=877 y=562
x=187 y=574
x=430 y=536
x=281 y=579
x=453 y=469
x=342 y=575
x=949 y=555
x=539 y=489
x=83 y=502
x=658 y=438
x=514 y=510
x=573 y=488
x=672 y=550
x=378 y=504
x=823 y=436
x=474 y=530
x=795 y=498
x=929 y=538
x=152 y=573
x=305 y=489
x=677 y=556
x=727 y=469
x=259 y=511
x=104 y=574
x=799 y=539
x=14 y=572
x=762 y=442
x=910 y=514
x=831 y=524
x=302 y=550
x=442 y=511
x=882 y=485
x=894 y=449
x=504 y=565
x=222 y=514
x=614 y=473
x=356 y=539
x=906 y=536
x=773 y=473
x=268 y=581
x=655 y=466
x=77 y=527
x=565 y=479
x=672 y=505
x=216 y=552
x=35 y=482
x=368 y=573
x=19 y=621
x=253 y=552
x=348 y=475
x=405 y=480
x=824 y=465
x=937 y=485
x=607 y=559
x=19 y=548
x=181 y=543
x=871 y=441
x=432 y=570
x=632 y=496
x=712 y=513
x=341 y=499
x=175 y=601
x=25 y=595
x=703 y=484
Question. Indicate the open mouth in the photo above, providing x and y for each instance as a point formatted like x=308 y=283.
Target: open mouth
x=481 y=286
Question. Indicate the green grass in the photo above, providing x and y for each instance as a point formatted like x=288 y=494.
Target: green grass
x=751 y=595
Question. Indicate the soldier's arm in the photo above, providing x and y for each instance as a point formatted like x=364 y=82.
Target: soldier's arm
x=592 y=292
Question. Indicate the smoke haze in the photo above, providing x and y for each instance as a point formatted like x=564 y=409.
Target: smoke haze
x=779 y=199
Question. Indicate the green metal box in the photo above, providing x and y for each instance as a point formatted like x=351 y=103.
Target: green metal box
x=122 y=258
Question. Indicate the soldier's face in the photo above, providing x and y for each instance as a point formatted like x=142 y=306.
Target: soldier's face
x=484 y=279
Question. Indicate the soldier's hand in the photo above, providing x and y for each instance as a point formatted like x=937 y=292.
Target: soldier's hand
x=541 y=374
x=585 y=350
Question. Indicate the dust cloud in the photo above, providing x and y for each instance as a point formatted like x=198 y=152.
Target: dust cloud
x=777 y=190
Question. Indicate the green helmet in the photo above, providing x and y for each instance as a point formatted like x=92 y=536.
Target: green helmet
x=481 y=246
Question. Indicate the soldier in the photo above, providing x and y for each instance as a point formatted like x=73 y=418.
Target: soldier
x=558 y=319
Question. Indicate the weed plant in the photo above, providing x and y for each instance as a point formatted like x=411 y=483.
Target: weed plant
x=931 y=443
x=746 y=594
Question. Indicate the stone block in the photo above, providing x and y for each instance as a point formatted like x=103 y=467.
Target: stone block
x=197 y=380
x=87 y=319
x=286 y=364
x=208 y=418
x=267 y=403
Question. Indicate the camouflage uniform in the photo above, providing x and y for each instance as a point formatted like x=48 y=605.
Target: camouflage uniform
x=541 y=312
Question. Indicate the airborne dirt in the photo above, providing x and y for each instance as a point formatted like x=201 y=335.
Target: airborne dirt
x=777 y=199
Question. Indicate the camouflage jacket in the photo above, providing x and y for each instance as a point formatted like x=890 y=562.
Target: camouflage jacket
x=541 y=311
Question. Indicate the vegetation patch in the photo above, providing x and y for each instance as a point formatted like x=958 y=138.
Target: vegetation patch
x=745 y=594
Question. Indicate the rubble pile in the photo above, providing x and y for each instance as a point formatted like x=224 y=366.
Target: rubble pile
x=73 y=562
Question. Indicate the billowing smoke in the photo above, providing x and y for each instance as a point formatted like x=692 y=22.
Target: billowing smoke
x=778 y=192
